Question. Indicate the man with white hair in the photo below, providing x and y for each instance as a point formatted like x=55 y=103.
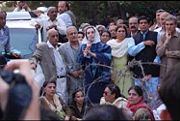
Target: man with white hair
x=168 y=47
x=157 y=24
x=69 y=52
x=161 y=30
x=51 y=22
x=48 y=56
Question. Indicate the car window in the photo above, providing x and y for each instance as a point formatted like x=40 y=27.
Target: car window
x=23 y=40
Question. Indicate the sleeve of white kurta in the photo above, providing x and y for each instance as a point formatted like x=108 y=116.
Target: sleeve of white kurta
x=61 y=26
x=66 y=18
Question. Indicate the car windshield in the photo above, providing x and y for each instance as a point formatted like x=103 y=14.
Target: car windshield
x=23 y=40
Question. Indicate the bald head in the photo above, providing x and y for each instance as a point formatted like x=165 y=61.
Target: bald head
x=50 y=31
x=53 y=36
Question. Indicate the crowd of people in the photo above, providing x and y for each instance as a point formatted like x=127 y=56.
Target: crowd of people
x=114 y=72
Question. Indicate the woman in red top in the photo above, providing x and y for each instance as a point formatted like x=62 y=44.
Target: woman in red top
x=136 y=102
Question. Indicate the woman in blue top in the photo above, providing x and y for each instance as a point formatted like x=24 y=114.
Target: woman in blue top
x=94 y=53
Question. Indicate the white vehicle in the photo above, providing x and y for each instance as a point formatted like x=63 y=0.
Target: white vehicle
x=24 y=37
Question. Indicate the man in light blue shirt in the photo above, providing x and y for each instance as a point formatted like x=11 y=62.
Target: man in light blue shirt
x=143 y=49
x=4 y=34
x=66 y=14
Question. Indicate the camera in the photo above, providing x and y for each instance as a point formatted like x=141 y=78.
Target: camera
x=19 y=95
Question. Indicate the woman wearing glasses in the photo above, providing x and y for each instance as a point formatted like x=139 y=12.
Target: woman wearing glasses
x=112 y=95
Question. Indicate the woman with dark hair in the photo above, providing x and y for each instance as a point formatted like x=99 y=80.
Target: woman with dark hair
x=112 y=95
x=93 y=53
x=136 y=101
x=105 y=112
x=50 y=101
x=78 y=105
x=80 y=36
x=120 y=74
x=105 y=36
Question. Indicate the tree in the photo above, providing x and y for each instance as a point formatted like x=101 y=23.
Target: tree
x=96 y=12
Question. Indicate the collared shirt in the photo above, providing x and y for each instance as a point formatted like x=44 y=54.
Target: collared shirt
x=66 y=18
x=161 y=32
x=156 y=26
x=60 y=66
x=173 y=45
x=144 y=34
x=2 y=31
x=46 y=22
x=133 y=49
x=4 y=39
x=172 y=57
x=133 y=34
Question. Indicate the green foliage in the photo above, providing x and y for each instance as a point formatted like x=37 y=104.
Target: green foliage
x=97 y=11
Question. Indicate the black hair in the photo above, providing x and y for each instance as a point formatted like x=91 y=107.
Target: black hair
x=123 y=28
x=143 y=18
x=75 y=92
x=105 y=112
x=52 y=80
x=67 y=5
x=160 y=10
x=138 y=90
x=80 y=32
x=115 y=90
x=89 y=28
x=106 y=32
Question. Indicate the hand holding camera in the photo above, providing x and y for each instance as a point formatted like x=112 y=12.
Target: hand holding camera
x=23 y=81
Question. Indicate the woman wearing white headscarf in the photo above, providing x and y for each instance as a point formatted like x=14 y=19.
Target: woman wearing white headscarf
x=94 y=52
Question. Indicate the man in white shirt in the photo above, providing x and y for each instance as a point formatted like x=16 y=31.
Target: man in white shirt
x=161 y=30
x=52 y=63
x=66 y=14
x=51 y=22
